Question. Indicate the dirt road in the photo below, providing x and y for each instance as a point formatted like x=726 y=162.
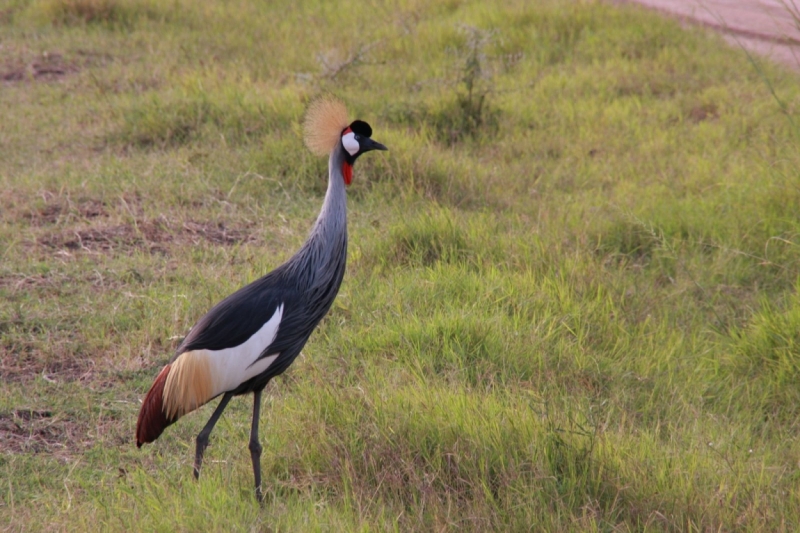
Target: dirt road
x=769 y=27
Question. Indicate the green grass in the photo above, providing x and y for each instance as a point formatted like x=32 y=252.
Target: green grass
x=572 y=293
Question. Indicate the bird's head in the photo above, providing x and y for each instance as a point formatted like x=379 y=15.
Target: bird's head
x=356 y=140
x=327 y=128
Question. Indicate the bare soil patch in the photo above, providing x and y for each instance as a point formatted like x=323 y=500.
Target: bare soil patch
x=53 y=211
x=39 y=431
x=216 y=233
x=23 y=282
x=45 y=207
x=46 y=67
x=20 y=361
x=150 y=235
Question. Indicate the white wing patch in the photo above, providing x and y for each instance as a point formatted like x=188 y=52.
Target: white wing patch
x=231 y=367
x=350 y=143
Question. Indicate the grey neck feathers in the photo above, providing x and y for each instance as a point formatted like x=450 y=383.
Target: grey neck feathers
x=321 y=260
x=332 y=218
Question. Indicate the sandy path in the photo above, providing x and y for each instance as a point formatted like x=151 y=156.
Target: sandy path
x=769 y=27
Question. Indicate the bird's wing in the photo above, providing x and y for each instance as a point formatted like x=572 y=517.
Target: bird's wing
x=238 y=317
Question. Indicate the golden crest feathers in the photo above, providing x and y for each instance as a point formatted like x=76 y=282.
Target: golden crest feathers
x=326 y=117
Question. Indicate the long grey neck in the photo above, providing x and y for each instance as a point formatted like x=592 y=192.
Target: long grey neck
x=320 y=263
x=332 y=219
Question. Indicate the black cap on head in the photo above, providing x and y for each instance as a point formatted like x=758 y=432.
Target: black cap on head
x=361 y=128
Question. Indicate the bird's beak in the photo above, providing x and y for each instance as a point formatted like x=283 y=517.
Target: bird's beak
x=368 y=144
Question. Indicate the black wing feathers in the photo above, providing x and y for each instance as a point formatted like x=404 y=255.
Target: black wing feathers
x=236 y=318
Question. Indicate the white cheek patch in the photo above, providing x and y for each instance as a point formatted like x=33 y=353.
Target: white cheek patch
x=350 y=144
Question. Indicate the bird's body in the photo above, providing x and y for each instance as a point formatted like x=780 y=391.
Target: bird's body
x=255 y=333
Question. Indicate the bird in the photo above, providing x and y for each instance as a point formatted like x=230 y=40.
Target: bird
x=254 y=334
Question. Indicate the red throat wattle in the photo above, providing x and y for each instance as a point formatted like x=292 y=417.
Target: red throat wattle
x=347 y=172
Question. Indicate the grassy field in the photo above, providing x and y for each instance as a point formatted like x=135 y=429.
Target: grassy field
x=571 y=301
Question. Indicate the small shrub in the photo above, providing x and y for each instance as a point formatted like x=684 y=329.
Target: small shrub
x=466 y=110
x=471 y=112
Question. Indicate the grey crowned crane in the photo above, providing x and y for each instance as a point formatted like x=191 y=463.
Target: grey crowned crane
x=255 y=333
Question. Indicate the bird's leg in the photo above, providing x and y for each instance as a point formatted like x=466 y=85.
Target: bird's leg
x=202 y=438
x=255 y=446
